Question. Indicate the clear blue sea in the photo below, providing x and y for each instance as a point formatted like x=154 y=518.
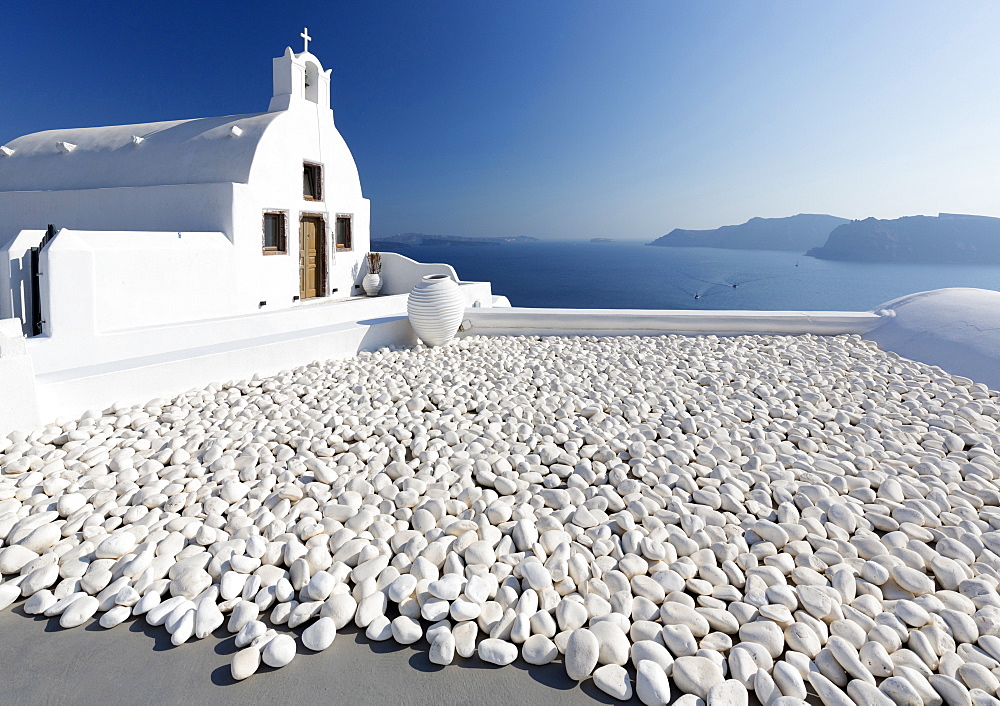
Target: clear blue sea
x=625 y=275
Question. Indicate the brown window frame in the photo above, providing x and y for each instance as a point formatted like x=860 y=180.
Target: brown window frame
x=283 y=221
x=317 y=170
x=349 y=217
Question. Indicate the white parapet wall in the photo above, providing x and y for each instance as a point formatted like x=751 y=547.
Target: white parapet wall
x=47 y=377
x=645 y=322
x=137 y=380
x=959 y=330
x=163 y=361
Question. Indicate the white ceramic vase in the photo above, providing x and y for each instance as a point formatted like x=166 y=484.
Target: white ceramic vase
x=372 y=284
x=435 y=308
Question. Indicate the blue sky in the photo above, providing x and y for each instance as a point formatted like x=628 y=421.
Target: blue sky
x=564 y=119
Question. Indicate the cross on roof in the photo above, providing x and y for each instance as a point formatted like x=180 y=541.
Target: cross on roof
x=305 y=36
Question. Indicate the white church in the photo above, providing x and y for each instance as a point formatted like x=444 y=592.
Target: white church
x=188 y=218
x=142 y=260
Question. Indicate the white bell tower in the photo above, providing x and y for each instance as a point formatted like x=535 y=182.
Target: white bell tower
x=299 y=79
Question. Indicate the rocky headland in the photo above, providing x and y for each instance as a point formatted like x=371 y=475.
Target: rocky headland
x=797 y=233
x=943 y=239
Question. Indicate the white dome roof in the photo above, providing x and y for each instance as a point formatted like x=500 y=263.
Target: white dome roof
x=198 y=151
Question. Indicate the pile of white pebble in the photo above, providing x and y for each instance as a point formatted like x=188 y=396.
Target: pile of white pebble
x=679 y=519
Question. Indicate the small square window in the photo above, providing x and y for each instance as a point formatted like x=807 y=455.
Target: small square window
x=312 y=182
x=344 y=238
x=275 y=231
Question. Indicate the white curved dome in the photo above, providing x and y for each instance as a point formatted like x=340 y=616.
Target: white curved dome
x=198 y=151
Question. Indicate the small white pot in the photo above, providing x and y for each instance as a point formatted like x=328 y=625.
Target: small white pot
x=372 y=284
x=435 y=308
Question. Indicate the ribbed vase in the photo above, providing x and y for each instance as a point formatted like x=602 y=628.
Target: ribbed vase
x=372 y=284
x=435 y=308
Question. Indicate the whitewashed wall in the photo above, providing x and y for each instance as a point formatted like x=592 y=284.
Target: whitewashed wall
x=25 y=215
x=97 y=282
x=18 y=402
x=184 y=207
x=303 y=133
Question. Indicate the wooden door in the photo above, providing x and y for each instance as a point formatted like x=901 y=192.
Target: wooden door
x=312 y=273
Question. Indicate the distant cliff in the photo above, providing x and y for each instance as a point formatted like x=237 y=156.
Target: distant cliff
x=797 y=233
x=946 y=238
x=387 y=242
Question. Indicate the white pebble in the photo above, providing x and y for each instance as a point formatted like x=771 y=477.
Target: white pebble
x=612 y=679
x=245 y=663
x=115 y=616
x=696 y=675
x=497 y=651
x=442 y=648
x=539 y=649
x=651 y=684
x=319 y=635
x=582 y=653
x=79 y=612
x=279 y=651
x=727 y=693
x=406 y=630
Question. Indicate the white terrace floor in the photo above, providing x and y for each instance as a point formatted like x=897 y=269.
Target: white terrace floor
x=631 y=491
